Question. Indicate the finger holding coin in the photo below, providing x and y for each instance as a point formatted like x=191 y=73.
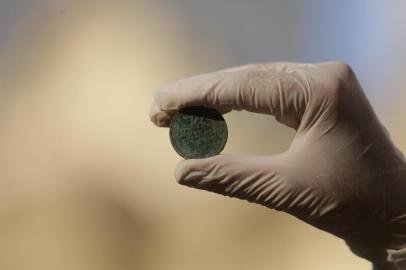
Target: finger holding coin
x=255 y=88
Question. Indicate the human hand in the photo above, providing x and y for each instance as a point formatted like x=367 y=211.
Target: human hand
x=341 y=174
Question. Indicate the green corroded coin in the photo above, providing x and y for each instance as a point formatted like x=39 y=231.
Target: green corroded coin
x=198 y=132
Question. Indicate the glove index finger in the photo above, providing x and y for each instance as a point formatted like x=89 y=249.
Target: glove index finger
x=200 y=90
x=280 y=89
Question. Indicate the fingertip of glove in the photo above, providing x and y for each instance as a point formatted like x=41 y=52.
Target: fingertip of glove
x=181 y=172
x=158 y=117
x=187 y=174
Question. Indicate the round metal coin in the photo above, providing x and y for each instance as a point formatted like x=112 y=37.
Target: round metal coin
x=198 y=132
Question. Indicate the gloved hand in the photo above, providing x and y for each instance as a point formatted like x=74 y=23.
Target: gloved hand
x=342 y=173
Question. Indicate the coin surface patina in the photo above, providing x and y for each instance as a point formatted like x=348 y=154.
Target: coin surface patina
x=198 y=132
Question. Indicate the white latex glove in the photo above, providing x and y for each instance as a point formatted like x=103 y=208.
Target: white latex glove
x=342 y=173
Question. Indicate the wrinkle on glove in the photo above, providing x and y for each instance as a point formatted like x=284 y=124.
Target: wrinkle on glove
x=342 y=173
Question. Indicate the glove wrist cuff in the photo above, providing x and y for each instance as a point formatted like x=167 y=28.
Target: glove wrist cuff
x=397 y=258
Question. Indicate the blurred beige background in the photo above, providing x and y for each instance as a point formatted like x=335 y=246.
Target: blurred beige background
x=87 y=181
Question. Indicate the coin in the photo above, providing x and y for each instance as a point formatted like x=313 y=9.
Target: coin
x=198 y=132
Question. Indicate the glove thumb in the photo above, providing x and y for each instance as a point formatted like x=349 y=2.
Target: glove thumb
x=259 y=179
